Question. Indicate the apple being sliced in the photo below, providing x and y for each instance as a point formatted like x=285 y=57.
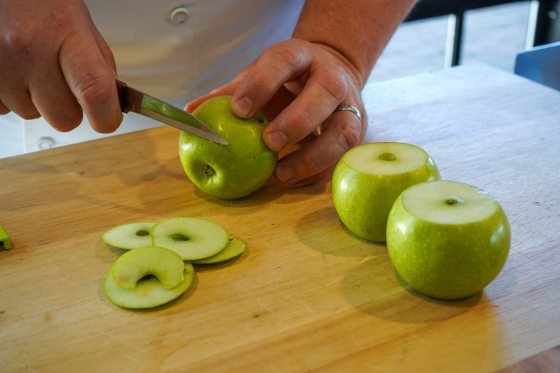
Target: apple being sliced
x=191 y=238
x=234 y=248
x=147 y=277
x=446 y=239
x=370 y=177
x=227 y=171
x=129 y=236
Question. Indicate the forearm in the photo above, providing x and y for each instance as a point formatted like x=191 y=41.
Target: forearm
x=357 y=29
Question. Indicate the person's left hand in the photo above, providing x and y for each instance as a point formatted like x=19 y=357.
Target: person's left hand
x=298 y=85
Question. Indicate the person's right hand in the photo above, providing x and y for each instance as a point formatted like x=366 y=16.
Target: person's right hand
x=54 y=63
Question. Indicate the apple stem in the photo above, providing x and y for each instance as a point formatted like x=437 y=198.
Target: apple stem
x=209 y=171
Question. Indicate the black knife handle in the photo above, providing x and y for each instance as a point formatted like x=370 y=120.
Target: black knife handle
x=121 y=91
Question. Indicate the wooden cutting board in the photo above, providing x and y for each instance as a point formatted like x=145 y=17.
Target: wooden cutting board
x=308 y=295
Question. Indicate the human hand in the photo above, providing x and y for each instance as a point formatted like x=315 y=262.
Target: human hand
x=54 y=63
x=298 y=86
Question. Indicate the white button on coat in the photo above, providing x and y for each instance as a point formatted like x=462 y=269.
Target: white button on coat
x=179 y=15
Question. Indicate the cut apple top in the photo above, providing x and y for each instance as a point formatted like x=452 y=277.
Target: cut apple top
x=386 y=158
x=449 y=202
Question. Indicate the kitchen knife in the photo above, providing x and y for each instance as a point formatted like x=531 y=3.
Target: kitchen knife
x=141 y=103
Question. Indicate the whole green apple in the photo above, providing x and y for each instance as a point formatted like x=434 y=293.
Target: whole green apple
x=227 y=171
x=447 y=240
x=369 y=178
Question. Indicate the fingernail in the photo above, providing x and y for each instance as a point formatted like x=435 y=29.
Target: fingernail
x=285 y=173
x=276 y=140
x=243 y=106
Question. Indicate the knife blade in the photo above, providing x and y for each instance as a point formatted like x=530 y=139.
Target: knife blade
x=133 y=100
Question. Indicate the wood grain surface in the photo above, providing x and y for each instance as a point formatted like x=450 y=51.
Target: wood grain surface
x=308 y=295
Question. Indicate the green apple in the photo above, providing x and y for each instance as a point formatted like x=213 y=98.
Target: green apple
x=5 y=242
x=191 y=238
x=129 y=236
x=134 y=265
x=369 y=178
x=227 y=171
x=234 y=248
x=446 y=239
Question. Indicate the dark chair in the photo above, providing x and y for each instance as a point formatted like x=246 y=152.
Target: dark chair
x=541 y=64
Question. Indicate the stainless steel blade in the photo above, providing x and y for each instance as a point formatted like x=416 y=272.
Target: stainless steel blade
x=149 y=106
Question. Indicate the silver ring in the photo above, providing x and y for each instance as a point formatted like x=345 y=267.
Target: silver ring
x=351 y=108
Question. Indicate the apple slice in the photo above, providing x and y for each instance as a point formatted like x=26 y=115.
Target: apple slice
x=148 y=292
x=446 y=239
x=191 y=238
x=134 y=265
x=370 y=177
x=234 y=248
x=129 y=236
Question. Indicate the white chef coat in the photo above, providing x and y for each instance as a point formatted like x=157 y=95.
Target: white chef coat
x=175 y=50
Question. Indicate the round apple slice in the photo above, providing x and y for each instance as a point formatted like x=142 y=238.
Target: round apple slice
x=147 y=277
x=166 y=265
x=148 y=293
x=129 y=236
x=191 y=238
x=234 y=248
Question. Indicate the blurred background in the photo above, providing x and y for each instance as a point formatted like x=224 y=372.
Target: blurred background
x=489 y=32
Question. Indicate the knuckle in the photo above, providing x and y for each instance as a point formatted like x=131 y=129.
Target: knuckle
x=349 y=135
x=333 y=83
x=59 y=27
x=93 y=90
x=261 y=82
x=286 y=55
x=313 y=163
x=301 y=120
x=17 y=44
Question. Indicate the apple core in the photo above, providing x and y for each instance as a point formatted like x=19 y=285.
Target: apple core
x=453 y=200
x=387 y=157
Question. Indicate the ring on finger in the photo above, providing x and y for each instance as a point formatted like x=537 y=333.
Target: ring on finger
x=342 y=107
x=351 y=108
